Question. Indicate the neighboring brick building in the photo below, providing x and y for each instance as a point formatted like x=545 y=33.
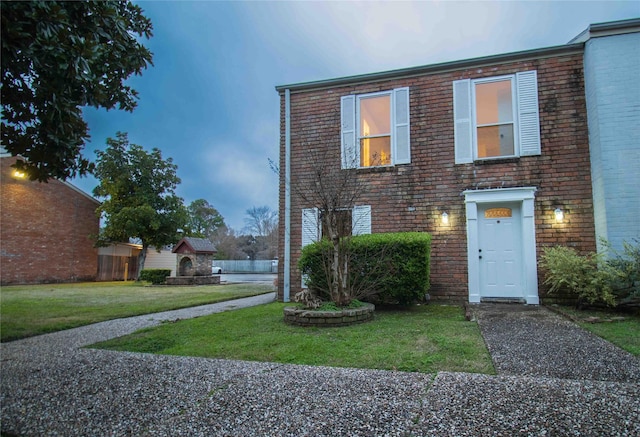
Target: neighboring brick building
x=45 y=230
x=612 y=71
x=498 y=145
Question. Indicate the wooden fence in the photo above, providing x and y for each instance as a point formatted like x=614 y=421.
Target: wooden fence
x=112 y=268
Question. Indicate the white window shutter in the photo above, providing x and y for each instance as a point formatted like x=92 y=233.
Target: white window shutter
x=463 y=125
x=310 y=231
x=402 y=144
x=528 y=115
x=310 y=226
x=348 y=132
x=361 y=220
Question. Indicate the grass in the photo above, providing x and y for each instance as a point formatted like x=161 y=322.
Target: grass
x=27 y=310
x=620 y=329
x=419 y=339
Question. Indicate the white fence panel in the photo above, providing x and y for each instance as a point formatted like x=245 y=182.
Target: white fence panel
x=247 y=266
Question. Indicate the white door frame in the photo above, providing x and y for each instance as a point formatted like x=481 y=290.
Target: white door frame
x=525 y=196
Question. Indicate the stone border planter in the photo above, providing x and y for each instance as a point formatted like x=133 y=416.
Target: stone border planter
x=193 y=280
x=351 y=316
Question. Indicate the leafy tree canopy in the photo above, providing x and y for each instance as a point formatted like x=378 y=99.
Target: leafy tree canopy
x=204 y=219
x=138 y=189
x=57 y=57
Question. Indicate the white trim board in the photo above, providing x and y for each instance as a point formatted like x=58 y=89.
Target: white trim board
x=525 y=196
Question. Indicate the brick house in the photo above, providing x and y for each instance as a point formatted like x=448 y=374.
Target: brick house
x=491 y=156
x=45 y=230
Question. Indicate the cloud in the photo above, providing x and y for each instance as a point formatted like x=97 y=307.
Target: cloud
x=319 y=40
x=234 y=177
x=209 y=101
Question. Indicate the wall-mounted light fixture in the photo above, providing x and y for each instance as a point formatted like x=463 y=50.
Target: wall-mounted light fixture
x=559 y=215
x=445 y=218
x=18 y=174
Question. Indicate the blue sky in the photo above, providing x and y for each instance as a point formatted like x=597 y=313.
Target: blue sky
x=209 y=100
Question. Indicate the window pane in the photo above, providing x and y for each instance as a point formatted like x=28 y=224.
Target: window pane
x=494 y=103
x=497 y=213
x=375 y=151
x=495 y=141
x=375 y=116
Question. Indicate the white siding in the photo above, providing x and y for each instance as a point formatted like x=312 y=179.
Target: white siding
x=119 y=249
x=163 y=260
x=612 y=89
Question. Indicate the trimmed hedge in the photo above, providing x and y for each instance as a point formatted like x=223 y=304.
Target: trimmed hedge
x=396 y=265
x=155 y=276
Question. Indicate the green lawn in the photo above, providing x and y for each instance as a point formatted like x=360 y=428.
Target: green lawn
x=426 y=338
x=27 y=310
x=620 y=329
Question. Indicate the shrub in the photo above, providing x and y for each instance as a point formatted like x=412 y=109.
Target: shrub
x=585 y=277
x=626 y=284
x=393 y=267
x=155 y=276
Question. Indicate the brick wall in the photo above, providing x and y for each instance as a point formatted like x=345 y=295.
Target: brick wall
x=412 y=197
x=44 y=231
x=200 y=264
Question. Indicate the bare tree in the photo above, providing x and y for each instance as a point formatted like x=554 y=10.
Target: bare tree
x=226 y=241
x=261 y=220
x=335 y=192
x=262 y=223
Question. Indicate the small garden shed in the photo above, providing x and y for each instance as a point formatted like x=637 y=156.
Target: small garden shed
x=194 y=256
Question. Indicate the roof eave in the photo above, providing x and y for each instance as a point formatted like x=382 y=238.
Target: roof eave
x=610 y=28
x=435 y=68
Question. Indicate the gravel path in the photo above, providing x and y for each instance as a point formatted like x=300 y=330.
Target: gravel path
x=534 y=341
x=51 y=387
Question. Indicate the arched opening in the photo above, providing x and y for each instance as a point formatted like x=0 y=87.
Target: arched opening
x=186 y=266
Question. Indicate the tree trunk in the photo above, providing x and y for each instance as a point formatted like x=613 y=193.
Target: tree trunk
x=335 y=272
x=344 y=275
x=141 y=258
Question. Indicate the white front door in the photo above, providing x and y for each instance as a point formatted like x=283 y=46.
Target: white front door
x=500 y=250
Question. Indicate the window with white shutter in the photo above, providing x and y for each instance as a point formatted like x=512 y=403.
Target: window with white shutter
x=351 y=221
x=355 y=221
x=348 y=116
x=310 y=231
x=496 y=117
x=375 y=129
x=361 y=220
x=310 y=226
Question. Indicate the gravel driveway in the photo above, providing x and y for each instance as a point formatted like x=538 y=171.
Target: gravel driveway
x=50 y=386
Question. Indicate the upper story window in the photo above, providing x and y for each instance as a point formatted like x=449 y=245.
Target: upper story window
x=375 y=129
x=496 y=117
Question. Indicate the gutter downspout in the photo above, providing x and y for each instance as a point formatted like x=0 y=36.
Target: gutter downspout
x=287 y=195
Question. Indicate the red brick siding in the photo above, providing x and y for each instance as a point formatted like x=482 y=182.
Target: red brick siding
x=412 y=197
x=44 y=231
